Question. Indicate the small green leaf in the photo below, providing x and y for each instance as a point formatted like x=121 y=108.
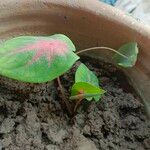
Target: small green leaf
x=87 y=88
x=83 y=74
x=36 y=59
x=130 y=50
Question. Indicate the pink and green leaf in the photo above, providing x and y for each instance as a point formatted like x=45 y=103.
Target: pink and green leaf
x=37 y=59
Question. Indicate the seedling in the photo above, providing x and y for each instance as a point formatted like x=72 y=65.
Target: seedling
x=45 y=58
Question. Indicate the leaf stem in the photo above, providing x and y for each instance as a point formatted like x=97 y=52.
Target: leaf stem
x=63 y=96
x=95 y=48
x=77 y=104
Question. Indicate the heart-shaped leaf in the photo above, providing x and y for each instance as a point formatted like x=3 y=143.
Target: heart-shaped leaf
x=83 y=74
x=130 y=52
x=86 y=83
x=36 y=59
x=87 y=89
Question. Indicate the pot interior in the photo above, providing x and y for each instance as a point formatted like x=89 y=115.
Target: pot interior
x=89 y=25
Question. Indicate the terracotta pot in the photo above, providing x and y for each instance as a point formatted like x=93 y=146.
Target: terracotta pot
x=88 y=23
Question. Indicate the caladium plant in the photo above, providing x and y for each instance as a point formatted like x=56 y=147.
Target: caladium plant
x=38 y=59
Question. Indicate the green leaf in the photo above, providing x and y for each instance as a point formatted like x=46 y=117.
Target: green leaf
x=87 y=88
x=36 y=59
x=83 y=74
x=130 y=50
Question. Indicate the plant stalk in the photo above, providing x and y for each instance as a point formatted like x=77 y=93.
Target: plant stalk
x=63 y=96
x=95 y=48
x=77 y=104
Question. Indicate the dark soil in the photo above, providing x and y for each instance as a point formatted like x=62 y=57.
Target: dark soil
x=32 y=117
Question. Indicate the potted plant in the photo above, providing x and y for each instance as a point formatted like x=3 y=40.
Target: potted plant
x=32 y=116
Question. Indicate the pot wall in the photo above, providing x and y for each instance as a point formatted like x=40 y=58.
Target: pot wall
x=88 y=23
